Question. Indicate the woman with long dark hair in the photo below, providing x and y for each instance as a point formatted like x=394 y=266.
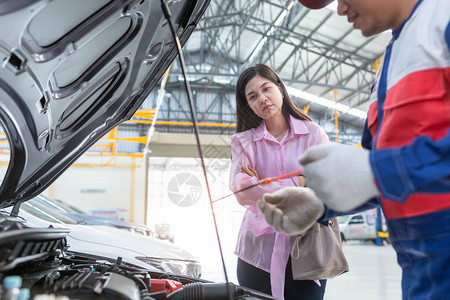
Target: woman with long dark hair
x=271 y=134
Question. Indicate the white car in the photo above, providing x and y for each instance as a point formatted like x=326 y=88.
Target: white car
x=79 y=215
x=109 y=242
x=360 y=226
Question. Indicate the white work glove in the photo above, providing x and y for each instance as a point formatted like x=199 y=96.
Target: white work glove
x=340 y=175
x=291 y=210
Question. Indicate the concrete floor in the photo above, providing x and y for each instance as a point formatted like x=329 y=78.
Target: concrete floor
x=374 y=274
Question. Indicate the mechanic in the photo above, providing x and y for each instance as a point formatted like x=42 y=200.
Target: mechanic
x=408 y=131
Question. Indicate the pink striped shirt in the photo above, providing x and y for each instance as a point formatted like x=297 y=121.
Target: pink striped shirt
x=258 y=244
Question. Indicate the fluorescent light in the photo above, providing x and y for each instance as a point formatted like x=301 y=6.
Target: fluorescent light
x=280 y=19
x=291 y=4
x=327 y=103
x=333 y=6
x=258 y=48
x=357 y=112
x=271 y=30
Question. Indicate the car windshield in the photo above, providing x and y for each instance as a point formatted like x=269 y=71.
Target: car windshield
x=58 y=205
x=343 y=219
x=45 y=213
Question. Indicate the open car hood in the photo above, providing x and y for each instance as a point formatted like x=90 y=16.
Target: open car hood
x=72 y=71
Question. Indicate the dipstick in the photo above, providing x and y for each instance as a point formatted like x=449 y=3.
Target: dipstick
x=263 y=181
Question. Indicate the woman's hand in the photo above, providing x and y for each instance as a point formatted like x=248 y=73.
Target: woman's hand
x=301 y=181
x=250 y=172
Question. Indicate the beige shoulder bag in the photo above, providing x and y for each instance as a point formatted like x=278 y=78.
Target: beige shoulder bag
x=318 y=253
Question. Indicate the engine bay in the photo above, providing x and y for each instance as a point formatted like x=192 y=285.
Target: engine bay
x=40 y=259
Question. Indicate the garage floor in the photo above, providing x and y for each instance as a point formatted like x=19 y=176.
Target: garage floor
x=374 y=274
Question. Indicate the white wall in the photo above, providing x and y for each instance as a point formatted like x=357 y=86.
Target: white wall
x=94 y=188
x=98 y=188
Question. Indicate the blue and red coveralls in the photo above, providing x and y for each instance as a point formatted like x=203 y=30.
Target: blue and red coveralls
x=408 y=129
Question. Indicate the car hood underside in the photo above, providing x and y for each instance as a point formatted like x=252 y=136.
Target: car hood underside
x=73 y=70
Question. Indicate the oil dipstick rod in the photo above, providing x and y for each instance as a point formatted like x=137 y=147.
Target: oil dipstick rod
x=263 y=181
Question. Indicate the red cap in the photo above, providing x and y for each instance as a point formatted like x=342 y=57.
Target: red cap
x=315 y=4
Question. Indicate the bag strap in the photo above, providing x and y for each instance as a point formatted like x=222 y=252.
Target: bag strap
x=296 y=247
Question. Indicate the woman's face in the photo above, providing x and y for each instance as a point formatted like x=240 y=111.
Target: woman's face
x=264 y=97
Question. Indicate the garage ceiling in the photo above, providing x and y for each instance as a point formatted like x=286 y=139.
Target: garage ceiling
x=315 y=52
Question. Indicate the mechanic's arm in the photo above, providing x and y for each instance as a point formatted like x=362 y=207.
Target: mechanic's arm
x=346 y=177
x=421 y=167
x=330 y=214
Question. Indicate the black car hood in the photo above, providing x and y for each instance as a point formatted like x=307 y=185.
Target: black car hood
x=73 y=70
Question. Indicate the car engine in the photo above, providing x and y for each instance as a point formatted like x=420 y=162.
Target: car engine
x=40 y=258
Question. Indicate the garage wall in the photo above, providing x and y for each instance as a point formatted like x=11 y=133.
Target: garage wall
x=94 y=188
x=99 y=188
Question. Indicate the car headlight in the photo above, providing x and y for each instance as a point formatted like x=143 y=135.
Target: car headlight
x=188 y=268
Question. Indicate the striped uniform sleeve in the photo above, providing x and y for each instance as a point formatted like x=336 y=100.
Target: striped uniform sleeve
x=421 y=167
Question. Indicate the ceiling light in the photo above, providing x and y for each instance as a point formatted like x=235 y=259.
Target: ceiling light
x=332 y=6
x=327 y=103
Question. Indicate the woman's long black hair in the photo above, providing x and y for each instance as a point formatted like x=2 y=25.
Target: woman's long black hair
x=246 y=118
